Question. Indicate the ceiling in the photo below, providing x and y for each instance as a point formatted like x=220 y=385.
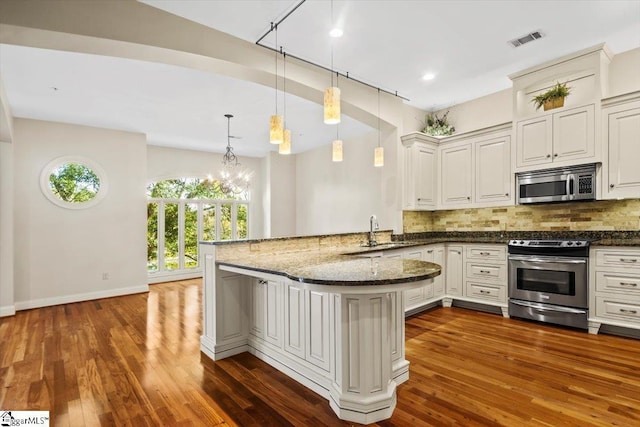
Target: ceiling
x=389 y=44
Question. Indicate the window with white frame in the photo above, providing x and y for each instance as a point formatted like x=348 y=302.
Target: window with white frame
x=183 y=211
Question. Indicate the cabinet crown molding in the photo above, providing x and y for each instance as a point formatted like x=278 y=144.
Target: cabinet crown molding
x=410 y=138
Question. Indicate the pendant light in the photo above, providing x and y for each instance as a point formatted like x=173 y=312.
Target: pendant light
x=285 y=147
x=378 y=154
x=276 y=129
x=332 y=94
x=336 y=151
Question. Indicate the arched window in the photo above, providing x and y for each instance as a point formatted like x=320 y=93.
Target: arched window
x=183 y=211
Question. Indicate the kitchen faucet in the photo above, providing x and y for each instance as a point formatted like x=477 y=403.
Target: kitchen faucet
x=373 y=226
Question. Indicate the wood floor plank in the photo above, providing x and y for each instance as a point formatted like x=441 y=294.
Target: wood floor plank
x=135 y=360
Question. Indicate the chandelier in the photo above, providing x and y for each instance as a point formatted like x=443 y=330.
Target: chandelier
x=233 y=178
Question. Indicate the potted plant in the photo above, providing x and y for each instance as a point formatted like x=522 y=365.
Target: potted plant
x=553 y=98
x=437 y=126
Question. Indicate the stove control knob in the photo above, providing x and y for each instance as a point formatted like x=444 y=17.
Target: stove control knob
x=579 y=243
x=522 y=242
x=569 y=243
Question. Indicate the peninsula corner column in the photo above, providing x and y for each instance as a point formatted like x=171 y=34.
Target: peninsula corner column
x=363 y=389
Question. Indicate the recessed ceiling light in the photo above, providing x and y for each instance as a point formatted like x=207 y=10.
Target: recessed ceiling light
x=336 y=32
x=429 y=76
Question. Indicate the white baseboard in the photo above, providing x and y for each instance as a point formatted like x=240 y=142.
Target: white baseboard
x=66 y=299
x=7 y=310
x=170 y=277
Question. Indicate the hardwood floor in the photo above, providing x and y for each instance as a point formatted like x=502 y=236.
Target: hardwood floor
x=135 y=360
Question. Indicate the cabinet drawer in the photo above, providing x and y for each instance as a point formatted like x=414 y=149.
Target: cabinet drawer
x=628 y=283
x=486 y=252
x=615 y=309
x=487 y=292
x=482 y=271
x=630 y=259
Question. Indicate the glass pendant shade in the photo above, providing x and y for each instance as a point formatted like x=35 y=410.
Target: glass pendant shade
x=285 y=147
x=336 y=153
x=378 y=157
x=276 y=130
x=332 y=105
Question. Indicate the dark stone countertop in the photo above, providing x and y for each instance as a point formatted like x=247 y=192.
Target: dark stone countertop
x=346 y=266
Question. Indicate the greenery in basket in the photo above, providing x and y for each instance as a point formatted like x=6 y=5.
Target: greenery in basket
x=437 y=126
x=559 y=90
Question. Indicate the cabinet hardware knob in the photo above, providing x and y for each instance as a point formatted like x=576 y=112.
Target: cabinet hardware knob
x=628 y=260
x=555 y=155
x=482 y=291
x=633 y=285
x=485 y=271
x=611 y=185
x=506 y=194
x=622 y=310
x=430 y=251
x=468 y=197
x=548 y=155
x=485 y=253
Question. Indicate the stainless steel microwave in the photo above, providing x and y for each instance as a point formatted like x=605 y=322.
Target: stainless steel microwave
x=557 y=185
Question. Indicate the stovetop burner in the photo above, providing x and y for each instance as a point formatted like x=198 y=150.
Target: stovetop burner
x=567 y=248
x=549 y=243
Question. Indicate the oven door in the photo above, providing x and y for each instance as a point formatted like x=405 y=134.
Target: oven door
x=552 y=280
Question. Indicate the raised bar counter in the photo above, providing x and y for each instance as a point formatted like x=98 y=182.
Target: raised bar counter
x=316 y=311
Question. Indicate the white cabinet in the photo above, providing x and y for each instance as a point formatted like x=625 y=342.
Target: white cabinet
x=485 y=274
x=420 y=172
x=558 y=139
x=621 y=174
x=614 y=288
x=265 y=316
x=317 y=329
x=453 y=275
x=456 y=175
x=493 y=176
x=294 y=321
x=436 y=255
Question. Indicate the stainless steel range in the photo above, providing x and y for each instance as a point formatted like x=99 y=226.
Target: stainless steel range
x=548 y=281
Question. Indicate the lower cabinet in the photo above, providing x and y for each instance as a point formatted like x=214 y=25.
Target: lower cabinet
x=453 y=271
x=614 y=288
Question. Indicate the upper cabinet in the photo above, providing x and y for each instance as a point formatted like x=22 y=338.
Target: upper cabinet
x=557 y=138
x=565 y=136
x=457 y=174
x=621 y=131
x=465 y=170
x=420 y=171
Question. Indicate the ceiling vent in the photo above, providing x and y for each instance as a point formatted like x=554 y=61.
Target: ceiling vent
x=526 y=39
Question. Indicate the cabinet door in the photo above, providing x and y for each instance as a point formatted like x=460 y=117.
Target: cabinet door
x=273 y=315
x=436 y=255
x=453 y=276
x=574 y=134
x=294 y=317
x=256 y=317
x=456 y=175
x=493 y=170
x=317 y=329
x=534 y=141
x=624 y=152
x=426 y=177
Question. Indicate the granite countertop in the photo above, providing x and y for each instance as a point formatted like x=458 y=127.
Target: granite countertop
x=349 y=265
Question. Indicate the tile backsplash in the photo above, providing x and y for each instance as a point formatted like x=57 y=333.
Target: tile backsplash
x=603 y=215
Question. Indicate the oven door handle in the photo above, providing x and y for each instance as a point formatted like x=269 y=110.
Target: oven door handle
x=543 y=307
x=555 y=260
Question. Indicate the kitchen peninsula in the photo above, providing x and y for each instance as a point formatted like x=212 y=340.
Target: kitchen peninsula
x=315 y=310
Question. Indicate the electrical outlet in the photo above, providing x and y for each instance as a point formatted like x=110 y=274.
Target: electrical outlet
x=105 y=276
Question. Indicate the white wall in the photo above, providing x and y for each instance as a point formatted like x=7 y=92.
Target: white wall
x=61 y=254
x=624 y=72
x=165 y=163
x=7 y=307
x=338 y=197
x=281 y=184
